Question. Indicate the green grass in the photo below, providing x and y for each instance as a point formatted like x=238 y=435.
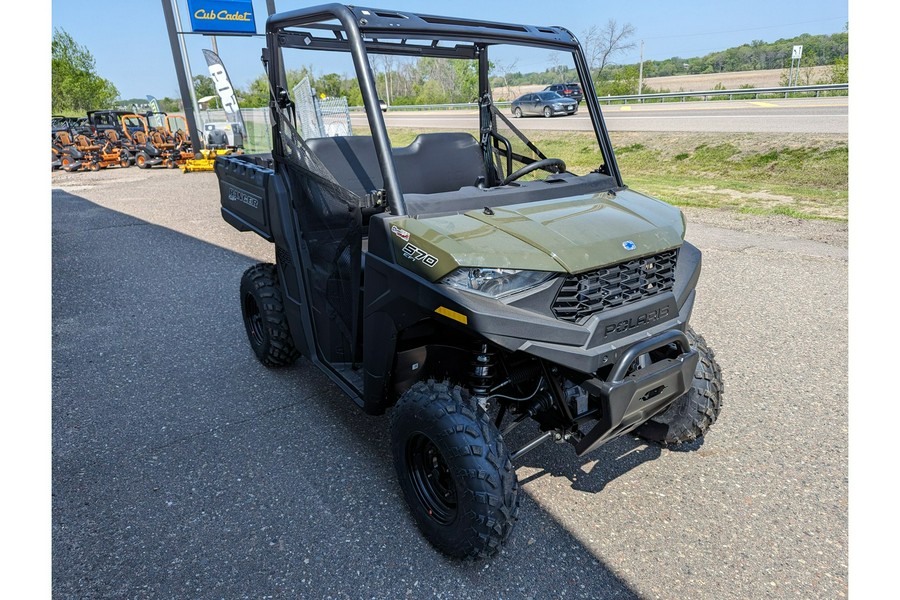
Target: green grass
x=803 y=177
x=800 y=178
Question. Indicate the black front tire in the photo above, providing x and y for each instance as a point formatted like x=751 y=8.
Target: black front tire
x=691 y=415
x=263 y=311
x=454 y=470
x=548 y=112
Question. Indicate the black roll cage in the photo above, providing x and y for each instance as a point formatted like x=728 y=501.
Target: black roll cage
x=362 y=30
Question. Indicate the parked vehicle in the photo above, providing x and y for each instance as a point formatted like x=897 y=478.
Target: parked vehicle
x=105 y=120
x=548 y=104
x=78 y=152
x=150 y=146
x=163 y=137
x=443 y=284
x=59 y=124
x=567 y=90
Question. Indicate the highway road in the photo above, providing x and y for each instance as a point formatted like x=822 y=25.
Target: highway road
x=182 y=468
x=793 y=115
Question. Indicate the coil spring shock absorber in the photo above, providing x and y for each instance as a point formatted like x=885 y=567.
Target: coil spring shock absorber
x=482 y=374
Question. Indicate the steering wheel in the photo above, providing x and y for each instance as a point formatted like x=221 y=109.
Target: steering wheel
x=538 y=164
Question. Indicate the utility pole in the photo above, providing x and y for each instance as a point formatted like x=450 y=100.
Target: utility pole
x=641 y=70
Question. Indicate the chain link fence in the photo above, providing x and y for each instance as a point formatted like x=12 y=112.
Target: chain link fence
x=335 y=113
x=320 y=117
x=305 y=107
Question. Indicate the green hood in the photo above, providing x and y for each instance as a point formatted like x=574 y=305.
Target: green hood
x=574 y=234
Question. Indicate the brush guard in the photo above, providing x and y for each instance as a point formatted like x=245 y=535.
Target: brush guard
x=629 y=399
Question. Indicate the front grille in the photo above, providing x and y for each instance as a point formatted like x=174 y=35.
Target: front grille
x=617 y=285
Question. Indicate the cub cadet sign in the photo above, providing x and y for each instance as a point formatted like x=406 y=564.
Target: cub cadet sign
x=222 y=16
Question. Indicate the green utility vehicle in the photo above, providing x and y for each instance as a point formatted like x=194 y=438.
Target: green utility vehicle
x=466 y=283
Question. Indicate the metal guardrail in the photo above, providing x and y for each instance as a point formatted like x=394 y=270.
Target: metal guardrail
x=640 y=98
x=755 y=92
x=410 y=107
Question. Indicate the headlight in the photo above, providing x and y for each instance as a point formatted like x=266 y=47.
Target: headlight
x=557 y=105
x=494 y=283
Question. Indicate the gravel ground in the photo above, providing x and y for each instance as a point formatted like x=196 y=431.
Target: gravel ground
x=826 y=232
x=184 y=469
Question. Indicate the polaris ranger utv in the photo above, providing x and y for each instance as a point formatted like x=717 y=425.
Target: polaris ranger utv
x=466 y=282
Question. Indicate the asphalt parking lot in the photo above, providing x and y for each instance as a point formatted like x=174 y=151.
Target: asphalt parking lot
x=182 y=468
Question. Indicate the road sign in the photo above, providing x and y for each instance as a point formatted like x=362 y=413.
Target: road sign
x=798 y=52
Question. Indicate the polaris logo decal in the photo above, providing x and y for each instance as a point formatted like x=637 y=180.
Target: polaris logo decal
x=400 y=233
x=629 y=245
x=414 y=253
x=636 y=321
x=236 y=195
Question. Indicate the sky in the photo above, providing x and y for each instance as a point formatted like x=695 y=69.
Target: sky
x=685 y=29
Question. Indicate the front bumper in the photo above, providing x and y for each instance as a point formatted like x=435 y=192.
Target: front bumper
x=626 y=401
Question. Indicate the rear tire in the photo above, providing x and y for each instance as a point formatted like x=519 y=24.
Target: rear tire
x=263 y=311
x=454 y=470
x=517 y=112
x=141 y=159
x=691 y=415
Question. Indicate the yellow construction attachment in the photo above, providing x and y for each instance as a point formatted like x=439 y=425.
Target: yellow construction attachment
x=205 y=163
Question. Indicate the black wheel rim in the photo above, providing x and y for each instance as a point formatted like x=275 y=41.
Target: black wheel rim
x=431 y=479
x=254 y=319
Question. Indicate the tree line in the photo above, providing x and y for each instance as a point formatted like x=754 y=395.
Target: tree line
x=818 y=50
x=400 y=82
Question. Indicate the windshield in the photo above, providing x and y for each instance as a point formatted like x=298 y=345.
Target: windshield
x=418 y=92
x=156 y=119
x=448 y=120
x=133 y=122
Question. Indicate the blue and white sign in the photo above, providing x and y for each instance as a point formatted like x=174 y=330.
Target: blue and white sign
x=222 y=16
